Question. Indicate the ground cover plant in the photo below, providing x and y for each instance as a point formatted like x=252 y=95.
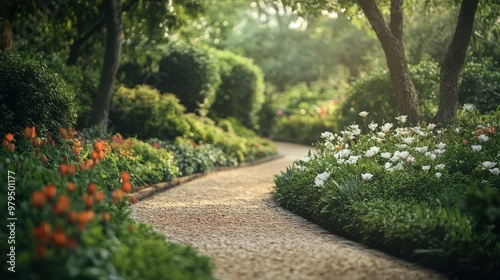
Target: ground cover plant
x=72 y=212
x=423 y=193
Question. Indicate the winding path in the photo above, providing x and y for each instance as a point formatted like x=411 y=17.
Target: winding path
x=231 y=216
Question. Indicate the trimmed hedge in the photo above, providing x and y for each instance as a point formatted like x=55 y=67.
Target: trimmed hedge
x=191 y=74
x=32 y=95
x=241 y=92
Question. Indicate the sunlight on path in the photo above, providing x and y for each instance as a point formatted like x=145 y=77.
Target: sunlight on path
x=231 y=217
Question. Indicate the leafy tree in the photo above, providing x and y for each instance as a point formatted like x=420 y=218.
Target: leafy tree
x=389 y=31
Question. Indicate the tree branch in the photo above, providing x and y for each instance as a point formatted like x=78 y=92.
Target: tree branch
x=397 y=19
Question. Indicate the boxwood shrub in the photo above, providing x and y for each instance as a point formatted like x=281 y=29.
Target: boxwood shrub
x=32 y=95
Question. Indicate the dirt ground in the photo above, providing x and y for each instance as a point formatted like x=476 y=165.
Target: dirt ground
x=231 y=216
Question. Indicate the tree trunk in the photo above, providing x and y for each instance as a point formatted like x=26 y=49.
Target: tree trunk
x=5 y=35
x=391 y=40
x=452 y=64
x=112 y=53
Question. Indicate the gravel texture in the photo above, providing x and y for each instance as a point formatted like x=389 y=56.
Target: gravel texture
x=232 y=217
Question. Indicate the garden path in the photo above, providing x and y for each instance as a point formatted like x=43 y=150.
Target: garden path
x=231 y=216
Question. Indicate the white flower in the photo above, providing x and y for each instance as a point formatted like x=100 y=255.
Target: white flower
x=439 y=151
x=363 y=114
x=386 y=155
x=404 y=154
x=305 y=159
x=476 y=148
x=483 y=138
x=381 y=134
x=431 y=126
x=353 y=159
x=441 y=145
x=399 y=166
x=408 y=140
x=438 y=174
x=327 y=135
x=401 y=146
x=489 y=164
x=426 y=167
x=319 y=181
x=468 y=107
x=375 y=149
x=394 y=158
x=495 y=171
x=369 y=153
x=457 y=130
x=373 y=126
x=422 y=149
x=402 y=118
x=300 y=167
x=432 y=156
x=440 y=166
x=387 y=165
x=386 y=127
x=366 y=176
x=410 y=160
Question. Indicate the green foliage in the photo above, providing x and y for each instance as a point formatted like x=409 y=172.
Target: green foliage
x=241 y=92
x=191 y=74
x=145 y=113
x=374 y=93
x=420 y=193
x=480 y=85
x=30 y=95
x=303 y=129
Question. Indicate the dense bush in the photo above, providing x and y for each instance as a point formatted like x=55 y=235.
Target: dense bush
x=71 y=201
x=420 y=193
x=302 y=128
x=192 y=74
x=31 y=95
x=480 y=85
x=241 y=92
x=145 y=113
x=374 y=93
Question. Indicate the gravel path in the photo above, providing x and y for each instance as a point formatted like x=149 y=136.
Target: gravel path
x=231 y=217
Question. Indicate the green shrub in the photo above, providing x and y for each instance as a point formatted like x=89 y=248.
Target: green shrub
x=420 y=193
x=241 y=92
x=480 y=85
x=32 y=95
x=191 y=74
x=145 y=113
x=375 y=94
x=303 y=129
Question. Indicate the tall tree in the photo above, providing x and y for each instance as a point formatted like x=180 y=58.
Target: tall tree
x=112 y=53
x=453 y=63
x=390 y=37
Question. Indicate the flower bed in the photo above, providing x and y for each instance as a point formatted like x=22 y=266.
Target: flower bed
x=427 y=194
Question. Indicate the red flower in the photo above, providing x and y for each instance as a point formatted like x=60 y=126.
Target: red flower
x=92 y=187
x=43 y=232
x=41 y=251
x=63 y=169
x=63 y=203
x=44 y=159
x=59 y=237
x=38 y=199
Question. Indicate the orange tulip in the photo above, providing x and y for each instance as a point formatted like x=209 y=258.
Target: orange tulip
x=125 y=176
x=63 y=169
x=37 y=142
x=44 y=159
x=29 y=133
x=52 y=143
x=5 y=143
x=92 y=187
x=9 y=137
x=81 y=166
x=63 y=132
x=102 y=155
x=38 y=199
x=63 y=203
x=126 y=187
x=59 y=237
x=37 y=151
x=95 y=155
x=71 y=187
x=71 y=169
x=76 y=150
x=98 y=146
x=133 y=199
x=87 y=200
x=99 y=196
x=117 y=195
x=106 y=216
x=50 y=191
x=41 y=251
x=43 y=232
x=11 y=147
x=72 y=217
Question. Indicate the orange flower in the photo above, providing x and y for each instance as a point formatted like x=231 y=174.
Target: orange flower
x=59 y=237
x=95 y=155
x=84 y=217
x=72 y=217
x=77 y=144
x=117 y=195
x=63 y=169
x=9 y=137
x=38 y=199
x=76 y=150
x=133 y=199
x=63 y=203
x=5 y=143
x=37 y=142
x=98 y=146
x=41 y=251
x=125 y=176
x=102 y=155
x=44 y=159
x=126 y=187
x=92 y=187
x=29 y=132
x=81 y=166
x=87 y=200
x=37 y=151
x=52 y=143
x=11 y=147
x=71 y=187
x=89 y=163
x=43 y=232
x=99 y=196
x=71 y=169
x=63 y=132
x=106 y=216
x=50 y=191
